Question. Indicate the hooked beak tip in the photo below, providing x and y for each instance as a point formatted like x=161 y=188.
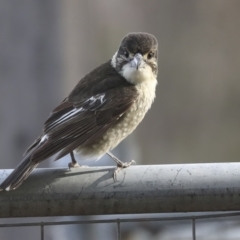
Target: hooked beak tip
x=137 y=60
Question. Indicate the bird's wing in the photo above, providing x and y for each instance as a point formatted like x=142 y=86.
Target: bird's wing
x=76 y=122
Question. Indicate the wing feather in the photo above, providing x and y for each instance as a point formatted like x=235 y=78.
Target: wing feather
x=83 y=124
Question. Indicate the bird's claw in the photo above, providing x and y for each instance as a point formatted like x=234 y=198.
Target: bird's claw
x=120 y=166
x=75 y=165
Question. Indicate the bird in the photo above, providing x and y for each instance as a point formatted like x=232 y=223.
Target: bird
x=104 y=108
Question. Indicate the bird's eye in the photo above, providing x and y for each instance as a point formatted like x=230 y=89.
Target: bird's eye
x=150 y=55
x=126 y=54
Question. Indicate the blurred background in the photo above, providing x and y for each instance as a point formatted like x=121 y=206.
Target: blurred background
x=46 y=47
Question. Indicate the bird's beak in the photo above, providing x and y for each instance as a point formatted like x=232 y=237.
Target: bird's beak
x=136 y=61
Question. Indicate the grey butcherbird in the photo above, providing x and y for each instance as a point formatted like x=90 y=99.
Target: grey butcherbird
x=102 y=110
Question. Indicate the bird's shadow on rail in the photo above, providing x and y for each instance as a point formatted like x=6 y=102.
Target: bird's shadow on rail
x=44 y=178
x=62 y=173
x=89 y=170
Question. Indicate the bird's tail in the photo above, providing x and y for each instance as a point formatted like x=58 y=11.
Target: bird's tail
x=19 y=174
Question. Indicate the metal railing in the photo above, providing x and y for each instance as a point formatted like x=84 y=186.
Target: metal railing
x=119 y=221
x=138 y=190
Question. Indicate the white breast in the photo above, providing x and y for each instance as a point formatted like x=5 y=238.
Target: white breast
x=131 y=119
x=142 y=104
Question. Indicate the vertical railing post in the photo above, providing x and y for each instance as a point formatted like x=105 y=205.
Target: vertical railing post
x=193 y=229
x=118 y=230
x=42 y=231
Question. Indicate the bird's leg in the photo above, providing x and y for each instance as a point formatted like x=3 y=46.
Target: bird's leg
x=74 y=163
x=120 y=164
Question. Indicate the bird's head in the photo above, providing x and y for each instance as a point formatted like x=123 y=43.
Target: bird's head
x=136 y=58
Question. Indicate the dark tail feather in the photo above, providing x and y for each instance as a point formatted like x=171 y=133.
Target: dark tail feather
x=19 y=174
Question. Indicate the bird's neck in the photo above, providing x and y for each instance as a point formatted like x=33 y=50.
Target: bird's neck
x=143 y=75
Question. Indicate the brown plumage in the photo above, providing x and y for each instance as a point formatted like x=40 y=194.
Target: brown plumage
x=100 y=105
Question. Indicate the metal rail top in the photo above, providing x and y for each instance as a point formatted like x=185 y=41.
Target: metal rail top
x=138 y=189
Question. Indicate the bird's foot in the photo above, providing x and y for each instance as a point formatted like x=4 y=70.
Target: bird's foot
x=120 y=166
x=75 y=165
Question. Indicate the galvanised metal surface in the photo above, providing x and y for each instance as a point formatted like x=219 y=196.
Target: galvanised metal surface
x=138 y=189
